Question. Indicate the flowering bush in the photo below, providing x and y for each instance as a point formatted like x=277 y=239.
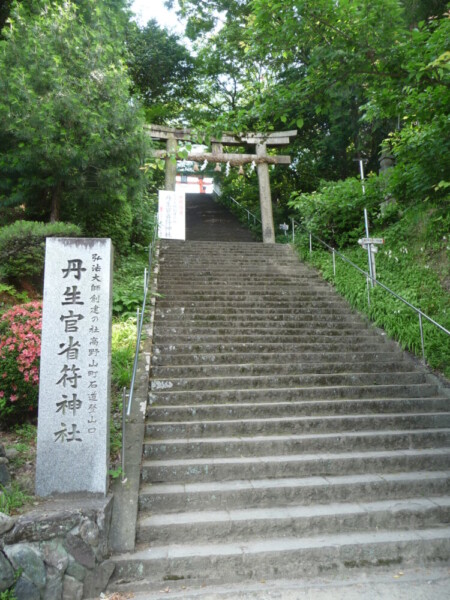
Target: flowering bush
x=20 y=349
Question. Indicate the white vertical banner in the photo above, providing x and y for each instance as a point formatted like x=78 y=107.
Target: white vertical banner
x=171 y=215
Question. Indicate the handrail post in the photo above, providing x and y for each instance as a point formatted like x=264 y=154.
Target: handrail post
x=369 y=247
x=368 y=291
x=124 y=420
x=334 y=262
x=136 y=354
x=310 y=242
x=293 y=229
x=421 y=335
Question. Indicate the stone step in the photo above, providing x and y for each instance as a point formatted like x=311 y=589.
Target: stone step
x=226 y=290
x=267 y=274
x=231 y=325
x=283 y=304
x=240 y=358
x=234 y=370
x=269 y=265
x=289 y=273
x=268 y=410
x=284 y=338
x=261 y=314
x=171 y=398
x=294 y=444
x=295 y=425
x=255 y=316
x=282 y=557
x=209 y=253
x=274 y=381
x=250 y=524
x=184 y=246
x=374 y=344
x=292 y=335
x=336 y=463
x=241 y=263
x=232 y=277
x=256 y=307
x=304 y=491
x=247 y=293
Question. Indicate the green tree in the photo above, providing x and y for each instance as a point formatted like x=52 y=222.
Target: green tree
x=350 y=75
x=161 y=69
x=71 y=138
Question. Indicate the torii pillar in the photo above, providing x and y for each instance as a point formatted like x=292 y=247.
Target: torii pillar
x=265 y=196
x=171 y=163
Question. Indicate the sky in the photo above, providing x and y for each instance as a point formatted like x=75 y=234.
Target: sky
x=155 y=9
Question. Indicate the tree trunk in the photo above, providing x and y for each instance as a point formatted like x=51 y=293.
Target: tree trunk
x=56 y=204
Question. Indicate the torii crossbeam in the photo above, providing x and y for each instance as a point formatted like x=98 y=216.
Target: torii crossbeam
x=261 y=159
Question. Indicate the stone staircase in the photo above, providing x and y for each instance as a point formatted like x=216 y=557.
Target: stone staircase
x=286 y=437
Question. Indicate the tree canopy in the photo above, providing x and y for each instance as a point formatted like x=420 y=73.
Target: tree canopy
x=71 y=139
x=161 y=69
x=354 y=77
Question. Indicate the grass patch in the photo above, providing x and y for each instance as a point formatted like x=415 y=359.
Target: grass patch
x=13 y=498
x=122 y=357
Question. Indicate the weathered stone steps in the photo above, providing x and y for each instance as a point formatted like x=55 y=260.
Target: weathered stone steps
x=257 y=358
x=255 y=303
x=296 y=425
x=249 y=524
x=175 y=316
x=244 y=381
x=270 y=337
x=218 y=348
x=381 y=406
x=294 y=443
x=254 y=493
x=255 y=327
x=285 y=435
x=215 y=370
x=282 y=557
x=171 y=398
x=319 y=464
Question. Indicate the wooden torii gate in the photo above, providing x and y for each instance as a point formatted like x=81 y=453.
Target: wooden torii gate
x=261 y=142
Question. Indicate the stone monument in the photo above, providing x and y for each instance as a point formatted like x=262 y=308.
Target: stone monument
x=74 y=386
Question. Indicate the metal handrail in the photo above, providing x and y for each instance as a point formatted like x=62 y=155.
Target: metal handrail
x=242 y=207
x=126 y=409
x=369 y=277
x=140 y=319
x=249 y=212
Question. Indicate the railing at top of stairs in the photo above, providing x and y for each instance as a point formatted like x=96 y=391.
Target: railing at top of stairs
x=250 y=215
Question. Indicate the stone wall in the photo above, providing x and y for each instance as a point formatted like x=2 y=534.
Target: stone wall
x=59 y=551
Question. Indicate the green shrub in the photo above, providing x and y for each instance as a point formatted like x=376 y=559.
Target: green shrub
x=128 y=289
x=115 y=223
x=122 y=352
x=22 y=249
x=144 y=220
x=10 y=296
x=20 y=349
x=335 y=212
